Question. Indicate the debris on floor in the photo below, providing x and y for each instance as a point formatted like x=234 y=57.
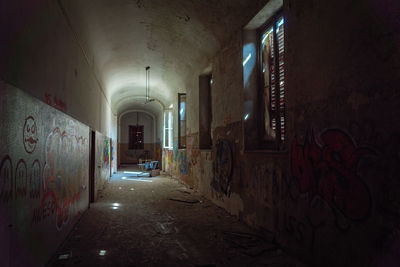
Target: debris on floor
x=150 y=228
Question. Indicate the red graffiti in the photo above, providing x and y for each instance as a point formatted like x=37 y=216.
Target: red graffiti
x=29 y=135
x=44 y=211
x=47 y=98
x=329 y=170
x=6 y=179
x=57 y=103
x=21 y=179
x=35 y=180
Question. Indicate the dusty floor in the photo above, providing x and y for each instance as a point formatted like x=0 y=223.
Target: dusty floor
x=159 y=222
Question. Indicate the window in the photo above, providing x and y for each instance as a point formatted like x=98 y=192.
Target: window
x=272 y=74
x=182 y=120
x=168 y=129
x=205 y=111
x=136 y=137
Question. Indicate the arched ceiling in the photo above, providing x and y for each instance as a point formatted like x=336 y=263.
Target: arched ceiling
x=138 y=103
x=176 y=38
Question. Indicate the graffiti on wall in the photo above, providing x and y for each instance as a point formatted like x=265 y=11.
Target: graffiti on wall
x=106 y=157
x=21 y=179
x=112 y=154
x=55 y=102
x=106 y=153
x=35 y=180
x=177 y=162
x=65 y=173
x=176 y=150
x=325 y=187
x=193 y=148
x=169 y=160
x=64 y=176
x=29 y=135
x=184 y=163
x=329 y=170
x=223 y=167
x=6 y=181
x=41 y=168
x=265 y=183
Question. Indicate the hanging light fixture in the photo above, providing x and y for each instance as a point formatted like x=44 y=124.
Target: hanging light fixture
x=148 y=99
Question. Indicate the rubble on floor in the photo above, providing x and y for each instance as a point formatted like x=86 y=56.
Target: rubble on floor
x=163 y=223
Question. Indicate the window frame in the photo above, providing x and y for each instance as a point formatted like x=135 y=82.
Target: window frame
x=277 y=143
x=168 y=128
x=138 y=145
x=180 y=145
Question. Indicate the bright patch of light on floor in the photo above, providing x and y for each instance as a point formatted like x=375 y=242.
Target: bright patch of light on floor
x=134 y=172
x=123 y=178
x=140 y=180
x=63 y=256
x=116 y=204
x=102 y=252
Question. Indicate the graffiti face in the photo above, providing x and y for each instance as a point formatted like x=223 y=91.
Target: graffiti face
x=30 y=135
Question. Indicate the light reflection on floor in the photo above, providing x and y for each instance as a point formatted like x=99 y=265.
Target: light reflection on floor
x=102 y=252
x=140 y=180
x=133 y=176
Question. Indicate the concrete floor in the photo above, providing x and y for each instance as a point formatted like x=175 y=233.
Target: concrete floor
x=159 y=222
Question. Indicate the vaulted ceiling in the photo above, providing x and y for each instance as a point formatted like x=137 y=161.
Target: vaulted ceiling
x=176 y=38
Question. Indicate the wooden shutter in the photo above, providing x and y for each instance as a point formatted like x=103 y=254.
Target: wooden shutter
x=281 y=64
